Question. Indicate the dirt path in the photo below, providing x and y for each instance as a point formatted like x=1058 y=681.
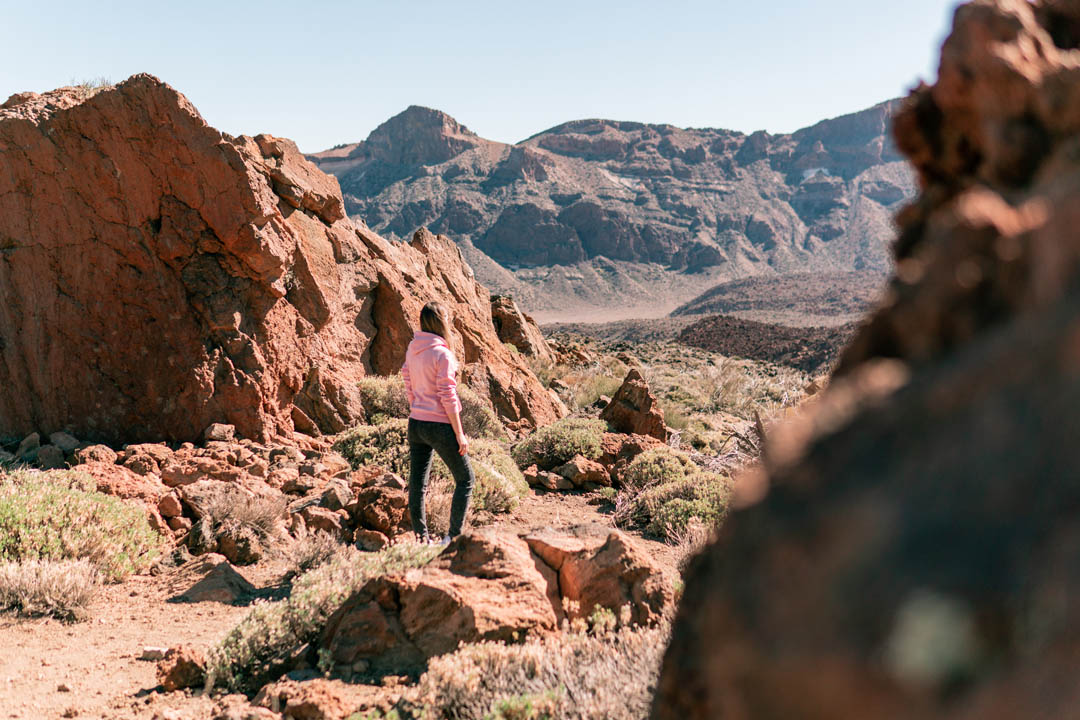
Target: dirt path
x=92 y=669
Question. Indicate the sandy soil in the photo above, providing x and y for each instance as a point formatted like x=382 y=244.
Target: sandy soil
x=92 y=669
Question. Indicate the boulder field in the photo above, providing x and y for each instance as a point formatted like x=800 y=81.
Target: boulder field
x=910 y=548
x=158 y=276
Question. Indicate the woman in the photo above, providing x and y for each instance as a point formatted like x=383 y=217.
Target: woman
x=435 y=419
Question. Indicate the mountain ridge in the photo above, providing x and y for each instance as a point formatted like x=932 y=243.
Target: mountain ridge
x=579 y=213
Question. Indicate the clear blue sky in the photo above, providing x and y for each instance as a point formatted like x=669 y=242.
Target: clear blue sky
x=324 y=72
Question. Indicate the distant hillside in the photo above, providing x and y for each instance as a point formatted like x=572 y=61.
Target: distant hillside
x=810 y=349
x=620 y=215
x=800 y=298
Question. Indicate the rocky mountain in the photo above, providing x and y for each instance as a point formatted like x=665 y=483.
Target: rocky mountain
x=595 y=211
x=157 y=276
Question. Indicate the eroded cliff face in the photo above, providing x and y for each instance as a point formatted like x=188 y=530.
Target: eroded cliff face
x=157 y=275
x=915 y=551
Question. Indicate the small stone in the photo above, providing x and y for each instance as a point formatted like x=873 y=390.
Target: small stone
x=50 y=457
x=335 y=496
x=179 y=524
x=96 y=453
x=219 y=432
x=182 y=667
x=153 y=654
x=63 y=687
x=370 y=541
x=312 y=468
x=66 y=442
x=169 y=505
x=28 y=446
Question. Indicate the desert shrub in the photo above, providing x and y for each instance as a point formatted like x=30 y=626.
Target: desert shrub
x=668 y=509
x=57 y=515
x=308 y=550
x=656 y=467
x=588 y=389
x=385 y=445
x=690 y=540
x=555 y=444
x=385 y=399
x=233 y=515
x=259 y=647
x=383 y=395
x=499 y=482
x=57 y=588
x=575 y=675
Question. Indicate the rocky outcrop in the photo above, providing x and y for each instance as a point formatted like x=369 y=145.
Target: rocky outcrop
x=602 y=196
x=157 y=276
x=635 y=410
x=909 y=548
x=518 y=329
x=493 y=586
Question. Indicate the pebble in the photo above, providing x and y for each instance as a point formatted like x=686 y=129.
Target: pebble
x=153 y=653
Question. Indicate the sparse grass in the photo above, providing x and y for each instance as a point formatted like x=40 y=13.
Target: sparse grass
x=554 y=444
x=690 y=540
x=58 y=588
x=499 y=482
x=259 y=647
x=385 y=399
x=607 y=675
x=232 y=515
x=57 y=515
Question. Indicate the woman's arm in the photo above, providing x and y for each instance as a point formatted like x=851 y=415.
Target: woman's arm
x=408 y=382
x=446 y=385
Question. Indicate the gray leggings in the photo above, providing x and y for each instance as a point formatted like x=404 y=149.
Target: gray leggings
x=424 y=437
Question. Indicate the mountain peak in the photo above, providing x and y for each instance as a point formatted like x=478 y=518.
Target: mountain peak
x=420 y=136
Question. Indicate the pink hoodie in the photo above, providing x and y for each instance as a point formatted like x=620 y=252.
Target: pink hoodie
x=429 y=371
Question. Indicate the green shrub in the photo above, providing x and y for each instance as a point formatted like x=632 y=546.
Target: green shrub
x=384 y=398
x=57 y=515
x=554 y=444
x=499 y=482
x=655 y=467
x=669 y=509
x=259 y=647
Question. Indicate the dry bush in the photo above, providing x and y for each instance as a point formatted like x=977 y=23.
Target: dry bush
x=690 y=540
x=307 y=550
x=575 y=675
x=56 y=588
x=554 y=444
x=258 y=649
x=655 y=467
x=252 y=523
x=58 y=515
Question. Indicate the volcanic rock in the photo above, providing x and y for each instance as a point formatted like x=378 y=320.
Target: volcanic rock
x=580 y=470
x=635 y=410
x=891 y=558
x=518 y=329
x=182 y=667
x=208 y=578
x=491 y=586
x=212 y=279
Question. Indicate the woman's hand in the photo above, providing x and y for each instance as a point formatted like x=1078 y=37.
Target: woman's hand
x=463 y=443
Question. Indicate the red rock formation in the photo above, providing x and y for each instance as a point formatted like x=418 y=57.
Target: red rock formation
x=915 y=551
x=518 y=329
x=157 y=276
x=635 y=410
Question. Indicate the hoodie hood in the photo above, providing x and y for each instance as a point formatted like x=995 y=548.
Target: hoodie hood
x=424 y=341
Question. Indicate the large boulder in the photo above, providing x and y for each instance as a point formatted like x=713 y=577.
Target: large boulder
x=491 y=585
x=515 y=327
x=911 y=547
x=158 y=276
x=635 y=410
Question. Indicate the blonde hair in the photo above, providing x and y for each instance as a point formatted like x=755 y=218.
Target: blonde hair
x=435 y=318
